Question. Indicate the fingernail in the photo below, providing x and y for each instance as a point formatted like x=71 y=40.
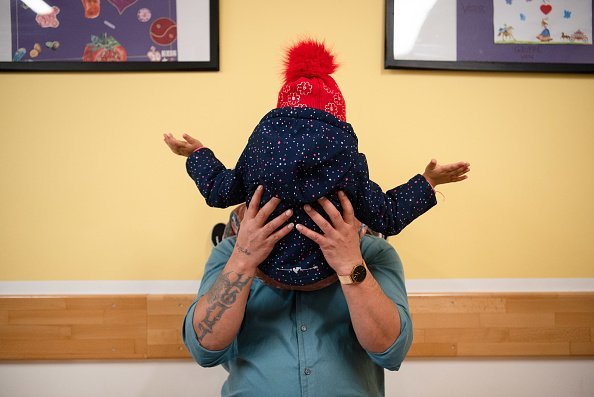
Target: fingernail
x=341 y=193
x=298 y=226
x=260 y=187
x=307 y=208
x=291 y=225
x=288 y=213
x=322 y=198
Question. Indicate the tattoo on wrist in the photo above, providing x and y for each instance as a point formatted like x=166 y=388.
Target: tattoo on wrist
x=243 y=250
x=221 y=297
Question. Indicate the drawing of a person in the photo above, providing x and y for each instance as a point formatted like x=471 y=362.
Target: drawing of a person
x=545 y=35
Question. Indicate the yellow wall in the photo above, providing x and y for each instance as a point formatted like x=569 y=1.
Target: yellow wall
x=88 y=189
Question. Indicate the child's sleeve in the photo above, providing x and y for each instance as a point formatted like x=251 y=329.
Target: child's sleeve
x=390 y=212
x=220 y=187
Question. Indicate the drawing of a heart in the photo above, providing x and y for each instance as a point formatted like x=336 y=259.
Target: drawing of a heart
x=546 y=8
x=121 y=5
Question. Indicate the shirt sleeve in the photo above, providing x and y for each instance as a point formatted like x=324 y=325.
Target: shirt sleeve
x=386 y=267
x=392 y=211
x=215 y=264
x=221 y=187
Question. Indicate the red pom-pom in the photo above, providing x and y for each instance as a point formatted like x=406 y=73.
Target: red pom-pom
x=308 y=58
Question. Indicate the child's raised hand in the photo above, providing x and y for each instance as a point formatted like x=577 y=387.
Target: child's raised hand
x=438 y=174
x=183 y=148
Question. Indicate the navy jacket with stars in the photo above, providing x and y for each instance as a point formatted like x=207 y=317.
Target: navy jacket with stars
x=300 y=155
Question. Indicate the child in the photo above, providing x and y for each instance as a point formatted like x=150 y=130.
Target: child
x=301 y=151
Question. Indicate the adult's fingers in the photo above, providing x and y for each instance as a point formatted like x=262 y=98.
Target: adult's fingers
x=332 y=211
x=266 y=210
x=348 y=213
x=274 y=224
x=310 y=234
x=281 y=233
x=318 y=219
x=254 y=206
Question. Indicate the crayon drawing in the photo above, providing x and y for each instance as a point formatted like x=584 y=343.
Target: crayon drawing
x=542 y=22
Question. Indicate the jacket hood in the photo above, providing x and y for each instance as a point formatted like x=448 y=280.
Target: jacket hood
x=300 y=154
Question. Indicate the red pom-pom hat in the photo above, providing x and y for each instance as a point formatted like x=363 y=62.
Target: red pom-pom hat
x=308 y=66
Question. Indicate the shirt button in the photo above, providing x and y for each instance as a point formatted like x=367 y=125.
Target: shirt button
x=307 y=371
x=303 y=328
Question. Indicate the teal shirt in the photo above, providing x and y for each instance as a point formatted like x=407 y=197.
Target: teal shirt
x=294 y=343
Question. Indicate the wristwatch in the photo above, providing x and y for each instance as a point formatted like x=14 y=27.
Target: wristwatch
x=357 y=275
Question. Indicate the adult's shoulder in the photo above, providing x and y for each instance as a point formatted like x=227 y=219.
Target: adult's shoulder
x=374 y=244
x=219 y=256
x=376 y=250
x=221 y=253
x=226 y=245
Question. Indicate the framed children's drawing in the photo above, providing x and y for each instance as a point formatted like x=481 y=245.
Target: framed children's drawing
x=109 y=35
x=497 y=35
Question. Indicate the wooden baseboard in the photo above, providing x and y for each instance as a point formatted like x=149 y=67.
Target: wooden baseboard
x=503 y=325
x=149 y=326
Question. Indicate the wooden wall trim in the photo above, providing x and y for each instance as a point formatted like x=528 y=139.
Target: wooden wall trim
x=149 y=326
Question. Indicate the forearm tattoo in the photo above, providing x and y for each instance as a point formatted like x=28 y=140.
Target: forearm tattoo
x=221 y=296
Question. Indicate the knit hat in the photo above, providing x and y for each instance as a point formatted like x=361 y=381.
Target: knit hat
x=308 y=66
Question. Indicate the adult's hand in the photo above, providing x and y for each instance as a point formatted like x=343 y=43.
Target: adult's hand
x=256 y=238
x=340 y=241
x=219 y=313
x=375 y=318
x=183 y=148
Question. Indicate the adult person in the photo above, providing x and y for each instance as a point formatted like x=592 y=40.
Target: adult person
x=302 y=150
x=334 y=341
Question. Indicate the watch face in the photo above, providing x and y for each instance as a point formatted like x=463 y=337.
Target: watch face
x=359 y=273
